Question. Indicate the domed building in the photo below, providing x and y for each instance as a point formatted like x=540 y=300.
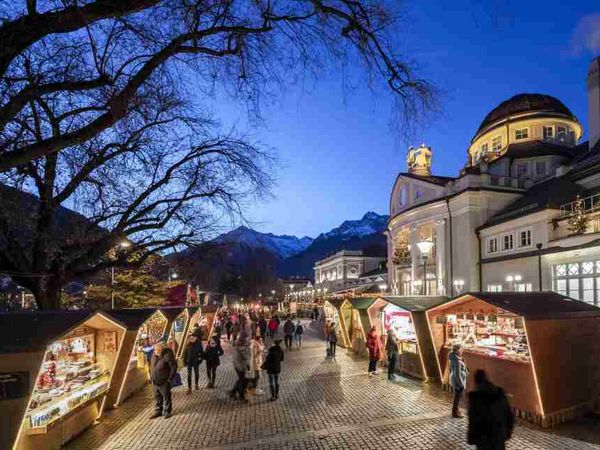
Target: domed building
x=523 y=214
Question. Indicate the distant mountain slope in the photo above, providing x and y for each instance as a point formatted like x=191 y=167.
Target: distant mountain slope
x=365 y=234
x=283 y=246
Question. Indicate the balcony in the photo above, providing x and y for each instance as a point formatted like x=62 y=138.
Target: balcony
x=590 y=204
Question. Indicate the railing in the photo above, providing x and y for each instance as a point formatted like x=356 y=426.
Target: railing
x=500 y=180
x=590 y=204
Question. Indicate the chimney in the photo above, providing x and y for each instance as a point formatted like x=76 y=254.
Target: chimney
x=593 y=88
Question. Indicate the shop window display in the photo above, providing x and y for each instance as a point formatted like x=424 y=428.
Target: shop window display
x=500 y=336
x=70 y=377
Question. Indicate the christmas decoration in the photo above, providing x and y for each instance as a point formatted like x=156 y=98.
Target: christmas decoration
x=577 y=222
x=401 y=253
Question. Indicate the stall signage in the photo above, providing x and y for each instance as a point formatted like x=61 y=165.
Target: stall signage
x=14 y=385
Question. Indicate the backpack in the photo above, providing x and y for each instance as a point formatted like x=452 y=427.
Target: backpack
x=299 y=329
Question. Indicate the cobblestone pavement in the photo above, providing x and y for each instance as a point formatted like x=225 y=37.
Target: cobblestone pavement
x=323 y=405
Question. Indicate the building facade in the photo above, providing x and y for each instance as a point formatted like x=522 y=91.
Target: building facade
x=343 y=269
x=523 y=214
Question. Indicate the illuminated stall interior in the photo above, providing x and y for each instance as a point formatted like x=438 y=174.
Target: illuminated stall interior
x=360 y=324
x=209 y=312
x=72 y=382
x=521 y=340
x=332 y=310
x=145 y=327
x=405 y=316
x=177 y=318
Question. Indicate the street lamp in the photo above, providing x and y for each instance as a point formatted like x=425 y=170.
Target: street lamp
x=425 y=246
x=172 y=275
x=458 y=285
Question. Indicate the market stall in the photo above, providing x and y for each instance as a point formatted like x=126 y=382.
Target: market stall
x=195 y=318
x=405 y=316
x=177 y=319
x=145 y=327
x=360 y=324
x=209 y=314
x=332 y=311
x=69 y=367
x=536 y=345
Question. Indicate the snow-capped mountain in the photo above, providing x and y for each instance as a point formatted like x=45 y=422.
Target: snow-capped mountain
x=283 y=246
x=370 y=223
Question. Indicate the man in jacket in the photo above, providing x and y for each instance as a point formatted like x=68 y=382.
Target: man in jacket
x=162 y=370
x=458 y=377
x=273 y=367
x=491 y=420
x=241 y=363
x=288 y=331
x=192 y=357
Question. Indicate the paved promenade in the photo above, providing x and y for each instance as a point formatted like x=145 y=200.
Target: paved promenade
x=322 y=405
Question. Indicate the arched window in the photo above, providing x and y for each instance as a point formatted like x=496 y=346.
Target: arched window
x=402 y=197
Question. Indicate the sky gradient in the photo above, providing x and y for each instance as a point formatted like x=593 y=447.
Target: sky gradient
x=339 y=156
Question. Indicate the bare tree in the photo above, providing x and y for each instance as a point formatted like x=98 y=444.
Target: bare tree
x=91 y=61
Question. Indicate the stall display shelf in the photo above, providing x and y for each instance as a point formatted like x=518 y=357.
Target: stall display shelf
x=46 y=415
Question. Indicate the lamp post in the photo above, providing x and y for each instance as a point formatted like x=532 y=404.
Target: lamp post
x=425 y=246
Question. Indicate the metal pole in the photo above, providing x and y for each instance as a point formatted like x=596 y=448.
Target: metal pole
x=539 y=248
x=112 y=287
x=424 y=275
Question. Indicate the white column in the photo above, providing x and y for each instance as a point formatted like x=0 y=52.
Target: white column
x=414 y=259
x=440 y=255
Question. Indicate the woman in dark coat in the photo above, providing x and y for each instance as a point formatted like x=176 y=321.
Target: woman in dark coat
x=272 y=365
x=192 y=357
x=212 y=356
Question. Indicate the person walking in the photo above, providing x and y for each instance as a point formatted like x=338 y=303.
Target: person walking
x=491 y=420
x=374 y=346
x=273 y=367
x=458 y=377
x=228 y=329
x=331 y=337
x=298 y=332
x=288 y=333
x=316 y=313
x=241 y=363
x=162 y=369
x=262 y=326
x=272 y=327
x=257 y=349
x=391 y=348
x=212 y=355
x=192 y=358
x=235 y=331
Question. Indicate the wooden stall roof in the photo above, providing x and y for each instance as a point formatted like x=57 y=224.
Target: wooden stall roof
x=362 y=302
x=34 y=330
x=336 y=302
x=537 y=305
x=171 y=312
x=131 y=318
x=192 y=310
x=417 y=303
x=209 y=308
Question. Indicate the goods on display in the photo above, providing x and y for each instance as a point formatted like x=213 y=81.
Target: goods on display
x=400 y=321
x=149 y=334
x=500 y=336
x=70 y=377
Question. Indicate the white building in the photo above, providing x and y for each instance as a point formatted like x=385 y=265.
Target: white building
x=343 y=269
x=503 y=223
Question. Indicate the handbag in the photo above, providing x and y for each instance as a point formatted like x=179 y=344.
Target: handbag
x=176 y=380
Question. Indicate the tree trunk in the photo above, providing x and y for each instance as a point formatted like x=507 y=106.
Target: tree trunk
x=47 y=294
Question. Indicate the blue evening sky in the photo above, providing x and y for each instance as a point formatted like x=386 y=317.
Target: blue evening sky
x=339 y=155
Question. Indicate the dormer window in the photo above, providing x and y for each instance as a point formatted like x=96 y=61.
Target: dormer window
x=548 y=132
x=484 y=149
x=496 y=143
x=561 y=133
x=522 y=133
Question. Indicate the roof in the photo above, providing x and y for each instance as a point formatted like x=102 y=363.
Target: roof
x=34 y=330
x=192 y=310
x=209 y=308
x=336 y=302
x=131 y=318
x=375 y=271
x=417 y=303
x=537 y=305
x=361 y=302
x=434 y=179
x=551 y=193
x=522 y=103
x=171 y=312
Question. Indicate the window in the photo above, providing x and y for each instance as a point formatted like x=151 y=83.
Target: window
x=540 y=168
x=580 y=281
x=521 y=169
x=492 y=246
x=523 y=287
x=548 y=132
x=561 y=133
x=521 y=133
x=524 y=238
x=507 y=242
x=484 y=148
x=497 y=143
x=418 y=194
x=402 y=196
x=494 y=288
